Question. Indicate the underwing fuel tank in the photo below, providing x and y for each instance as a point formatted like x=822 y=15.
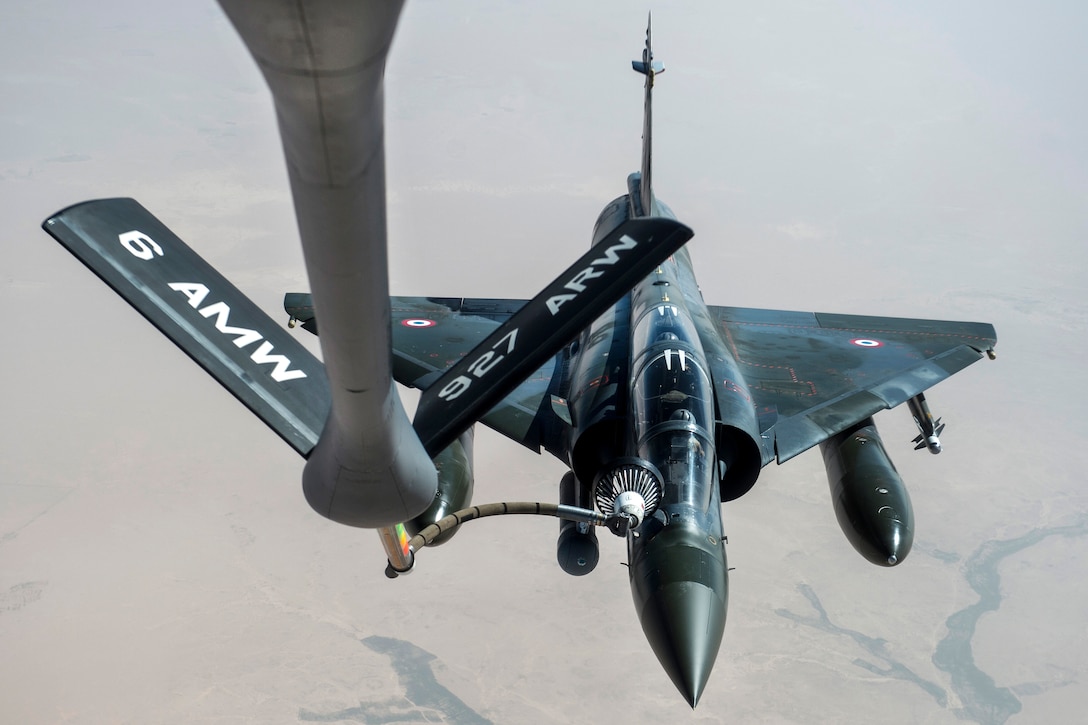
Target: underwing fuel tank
x=577 y=549
x=871 y=503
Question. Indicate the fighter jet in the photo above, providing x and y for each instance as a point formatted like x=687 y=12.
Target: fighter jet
x=661 y=406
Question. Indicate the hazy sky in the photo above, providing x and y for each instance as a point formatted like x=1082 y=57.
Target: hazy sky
x=157 y=560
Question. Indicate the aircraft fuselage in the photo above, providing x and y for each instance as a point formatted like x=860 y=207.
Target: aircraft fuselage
x=641 y=390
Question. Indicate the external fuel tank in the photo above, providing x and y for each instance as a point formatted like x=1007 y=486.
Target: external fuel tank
x=871 y=502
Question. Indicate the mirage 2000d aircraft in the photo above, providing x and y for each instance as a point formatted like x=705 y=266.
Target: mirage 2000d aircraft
x=662 y=406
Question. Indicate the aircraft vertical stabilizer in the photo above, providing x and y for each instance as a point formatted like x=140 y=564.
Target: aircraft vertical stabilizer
x=649 y=68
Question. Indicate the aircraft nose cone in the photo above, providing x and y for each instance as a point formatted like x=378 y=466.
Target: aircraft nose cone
x=683 y=622
x=680 y=587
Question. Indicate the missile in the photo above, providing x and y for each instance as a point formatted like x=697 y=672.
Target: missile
x=871 y=503
x=928 y=428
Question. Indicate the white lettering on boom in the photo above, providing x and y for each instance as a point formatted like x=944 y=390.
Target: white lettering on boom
x=577 y=283
x=196 y=293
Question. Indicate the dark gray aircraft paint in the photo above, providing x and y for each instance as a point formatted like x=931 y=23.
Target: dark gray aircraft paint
x=661 y=406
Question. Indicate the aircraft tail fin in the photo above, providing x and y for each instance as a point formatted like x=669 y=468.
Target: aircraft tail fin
x=204 y=314
x=649 y=68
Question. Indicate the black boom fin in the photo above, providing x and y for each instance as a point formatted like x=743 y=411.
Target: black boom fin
x=542 y=327
x=204 y=314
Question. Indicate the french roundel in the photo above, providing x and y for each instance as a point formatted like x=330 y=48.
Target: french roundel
x=866 y=342
x=417 y=322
